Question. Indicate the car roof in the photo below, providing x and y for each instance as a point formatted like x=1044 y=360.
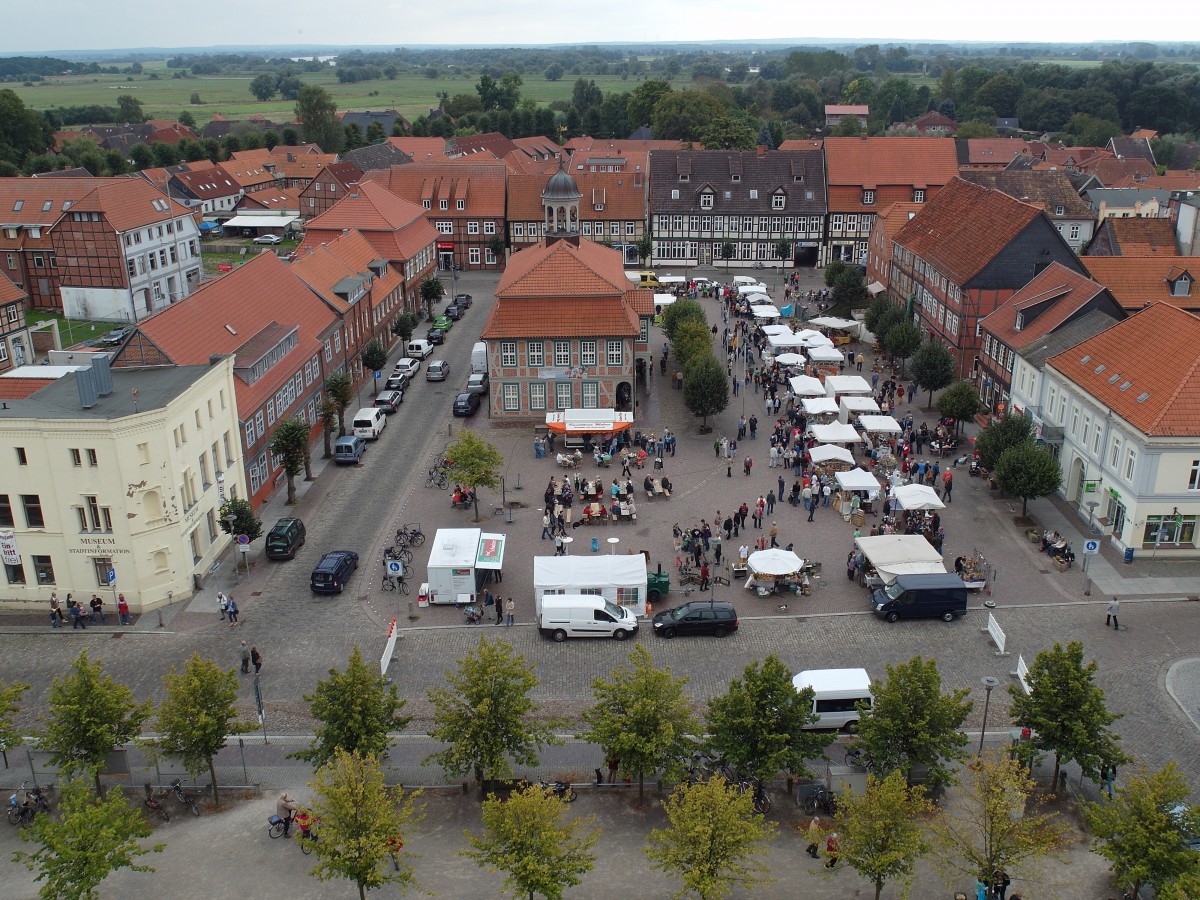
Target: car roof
x=465 y=395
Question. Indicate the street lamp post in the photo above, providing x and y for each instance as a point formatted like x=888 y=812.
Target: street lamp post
x=229 y=520
x=989 y=682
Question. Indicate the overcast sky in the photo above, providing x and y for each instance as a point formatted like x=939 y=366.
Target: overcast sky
x=48 y=25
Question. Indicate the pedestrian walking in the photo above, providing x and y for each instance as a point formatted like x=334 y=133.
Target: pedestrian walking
x=1000 y=883
x=222 y=604
x=546 y=525
x=232 y=611
x=558 y=545
x=812 y=508
x=245 y=659
x=510 y=609
x=76 y=613
x=56 y=616
x=499 y=611
x=1114 y=606
x=123 y=610
x=859 y=360
x=747 y=464
x=774 y=534
x=831 y=850
x=255 y=659
x=704 y=576
x=814 y=838
x=781 y=488
x=947 y=485
x=1108 y=774
x=771 y=501
x=753 y=424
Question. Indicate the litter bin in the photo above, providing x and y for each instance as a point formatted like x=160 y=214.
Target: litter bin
x=1128 y=555
x=595 y=545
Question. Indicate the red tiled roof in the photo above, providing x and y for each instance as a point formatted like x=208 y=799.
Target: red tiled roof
x=271 y=198
x=919 y=162
x=1109 y=170
x=20 y=388
x=208 y=183
x=563 y=267
x=349 y=255
x=23 y=200
x=9 y=292
x=847 y=109
x=129 y=203
x=1053 y=296
x=964 y=227
x=1140 y=280
x=372 y=207
x=994 y=151
x=1145 y=369
x=481 y=184
x=801 y=144
x=1139 y=236
x=301 y=165
x=421 y=148
x=1172 y=180
x=560 y=317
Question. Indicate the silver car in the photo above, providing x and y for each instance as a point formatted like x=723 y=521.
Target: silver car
x=478 y=383
x=438 y=370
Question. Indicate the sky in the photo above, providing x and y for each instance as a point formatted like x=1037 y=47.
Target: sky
x=49 y=25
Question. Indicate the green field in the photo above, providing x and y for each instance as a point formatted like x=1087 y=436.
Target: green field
x=411 y=93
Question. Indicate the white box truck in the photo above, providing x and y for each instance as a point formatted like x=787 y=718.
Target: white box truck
x=584 y=615
x=479 y=365
x=836 y=694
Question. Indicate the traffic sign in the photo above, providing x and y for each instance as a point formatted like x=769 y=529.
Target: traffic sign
x=112 y=576
x=394 y=566
x=243 y=538
x=378 y=374
x=1091 y=547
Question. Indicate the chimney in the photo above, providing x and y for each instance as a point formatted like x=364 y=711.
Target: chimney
x=762 y=149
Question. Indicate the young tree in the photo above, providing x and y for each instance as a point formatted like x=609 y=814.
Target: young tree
x=87 y=840
x=882 y=837
x=363 y=824
x=902 y=341
x=679 y=312
x=374 y=357
x=89 y=714
x=728 y=252
x=876 y=309
x=432 y=291
x=317 y=111
x=757 y=725
x=959 y=401
x=339 y=391
x=327 y=412
x=244 y=520
x=832 y=271
x=712 y=841
x=289 y=442
x=932 y=367
x=645 y=246
x=474 y=463
x=991 y=829
x=187 y=119
x=692 y=340
x=1066 y=711
x=913 y=723
x=526 y=838
x=641 y=717
x=1008 y=431
x=783 y=250
x=1028 y=471
x=404 y=325
x=848 y=288
x=10 y=704
x=357 y=711
x=199 y=711
x=485 y=716
x=705 y=387
x=1143 y=834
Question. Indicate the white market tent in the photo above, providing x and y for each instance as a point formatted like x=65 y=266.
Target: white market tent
x=846 y=384
x=858 y=480
x=917 y=496
x=756 y=288
x=819 y=406
x=755 y=299
x=879 y=424
x=790 y=359
x=806 y=386
x=774 y=562
x=814 y=339
x=588 y=421
x=617 y=578
x=826 y=452
x=824 y=354
x=784 y=339
x=765 y=311
x=663 y=300
x=775 y=328
x=857 y=404
x=833 y=322
x=836 y=433
x=894 y=555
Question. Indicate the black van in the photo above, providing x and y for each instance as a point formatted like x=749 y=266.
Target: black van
x=920 y=597
x=285 y=539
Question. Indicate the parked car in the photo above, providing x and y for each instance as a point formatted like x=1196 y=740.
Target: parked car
x=285 y=539
x=408 y=367
x=332 y=572
x=466 y=404
x=389 y=401
x=268 y=239
x=396 y=383
x=454 y=311
x=435 y=336
x=116 y=336
x=478 y=383
x=443 y=322
x=462 y=301
x=715 y=617
x=438 y=370
x=418 y=349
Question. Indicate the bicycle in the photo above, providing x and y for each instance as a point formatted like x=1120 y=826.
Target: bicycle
x=34 y=802
x=183 y=797
x=759 y=796
x=152 y=803
x=856 y=756
x=410 y=535
x=823 y=798
x=392 y=583
x=437 y=477
x=401 y=553
x=277 y=824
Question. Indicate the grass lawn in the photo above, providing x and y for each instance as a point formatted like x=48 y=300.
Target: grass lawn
x=73 y=331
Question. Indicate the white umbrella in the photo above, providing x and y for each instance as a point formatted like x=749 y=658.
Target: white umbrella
x=790 y=359
x=774 y=562
x=825 y=452
x=806 y=386
x=917 y=496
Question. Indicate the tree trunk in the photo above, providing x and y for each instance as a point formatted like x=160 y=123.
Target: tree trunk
x=212 y=772
x=308 y=475
x=362 y=892
x=1024 y=504
x=99 y=786
x=291 y=489
x=327 y=430
x=1057 y=769
x=641 y=787
x=878 y=887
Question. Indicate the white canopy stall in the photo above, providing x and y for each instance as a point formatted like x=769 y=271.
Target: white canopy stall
x=806 y=386
x=621 y=579
x=775 y=328
x=784 y=340
x=835 y=433
x=588 y=421
x=837 y=385
x=458 y=559
x=858 y=480
x=823 y=453
x=856 y=404
x=813 y=338
x=880 y=424
x=917 y=496
x=894 y=555
x=790 y=359
x=819 y=406
x=824 y=354
x=766 y=567
x=765 y=311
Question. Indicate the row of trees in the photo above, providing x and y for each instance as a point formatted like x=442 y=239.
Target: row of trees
x=705 y=381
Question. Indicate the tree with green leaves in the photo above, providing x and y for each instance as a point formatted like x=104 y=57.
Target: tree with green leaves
x=1066 y=711
x=885 y=322
x=728 y=252
x=1028 y=471
x=199 y=711
x=496 y=245
x=526 y=838
x=992 y=827
x=244 y=520
x=474 y=463
x=130 y=109
x=683 y=310
x=432 y=291
x=705 y=387
x=642 y=99
x=881 y=835
x=263 y=87
x=363 y=824
x=87 y=840
x=339 y=390
x=645 y=246
x=374 y=358
x=186 y=119
x=357 y=710
x=960 y=401
x=317 y=113
x=758 y=724
x=89 y=715
x=685 y=115
x=327 y=413
x=404 y=325
x=289 y=442
x=932 y=367
x=875 y=309
x=902 y=341
x=693 y=340
x=833 y=271
x=1009 y=430
x=913 y=723
x=485 y=716
x=712 y=841
x=641 y=717
x=11 y=693
x=783 y=250
x=848 y=288
x=1143 y=834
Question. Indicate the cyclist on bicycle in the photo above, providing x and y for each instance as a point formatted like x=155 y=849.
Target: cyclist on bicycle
x=286 y=808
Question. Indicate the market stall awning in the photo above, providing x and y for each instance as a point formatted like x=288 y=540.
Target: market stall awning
x=765 y=311
x=261 y=221
x=774 y=562
x=790 y=359
x=857 y=403
x=875 y=288
x=825 y=452
x=833 y=322
x=775 y=328
x=818 y=406
x=824 y=354
x=847 y=384
x=894 y=555
x=879 y=424
x=917 y=496
x=858 y=480
x=835 y=433
x=491 y=551
x=588 y=421
x=785 y=339
x=806 y=386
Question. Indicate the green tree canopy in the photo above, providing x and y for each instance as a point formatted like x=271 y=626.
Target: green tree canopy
x=432 y=291
x=1066 y=711
x=932 y=367
x=833 y=270
x=684 y=115
x=289 y=442
x=340 y=391
x=11 y=693
x=705 y=386
x=642 y=99
x=848 y=288
x=474 y=463
x=485 y=716
x=1028 y=471
x=960 y=401
x=404 y=325
x=317 y=112
x=758 y=724
x=263 y=87
x=683 y=310
x=1000 y=434
x=881 y=833
x=526 y=838
x=693 y=340
x=244 y=520
x=374 y=357
x=902 y=341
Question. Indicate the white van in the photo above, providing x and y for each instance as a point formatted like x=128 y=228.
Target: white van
x=479 y=364
x=672 y=281
x=836 y=693
x=369 y=423
x=584 y=615
x=744 y=279
x=418 y=349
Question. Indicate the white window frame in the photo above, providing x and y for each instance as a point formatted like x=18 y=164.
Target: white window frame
x=510 y=396
x=589 y=394
x=587 y=353
x=564 y=395
x=508 y=354
x=615 y=353
x=562 y=353
x=537 y=395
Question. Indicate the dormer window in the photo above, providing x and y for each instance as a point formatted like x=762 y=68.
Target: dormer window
x=1020 y=323
x=868 y=198
x=706 y=200
x=443 y=204
x=1060 y=210
x=778 y=201
x=918 y=196
x=1181 y=287
x=683 y=177
x=753 y=194
x=735 y=178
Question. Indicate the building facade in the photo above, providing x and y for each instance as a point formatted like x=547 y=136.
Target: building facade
x=16 y=346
